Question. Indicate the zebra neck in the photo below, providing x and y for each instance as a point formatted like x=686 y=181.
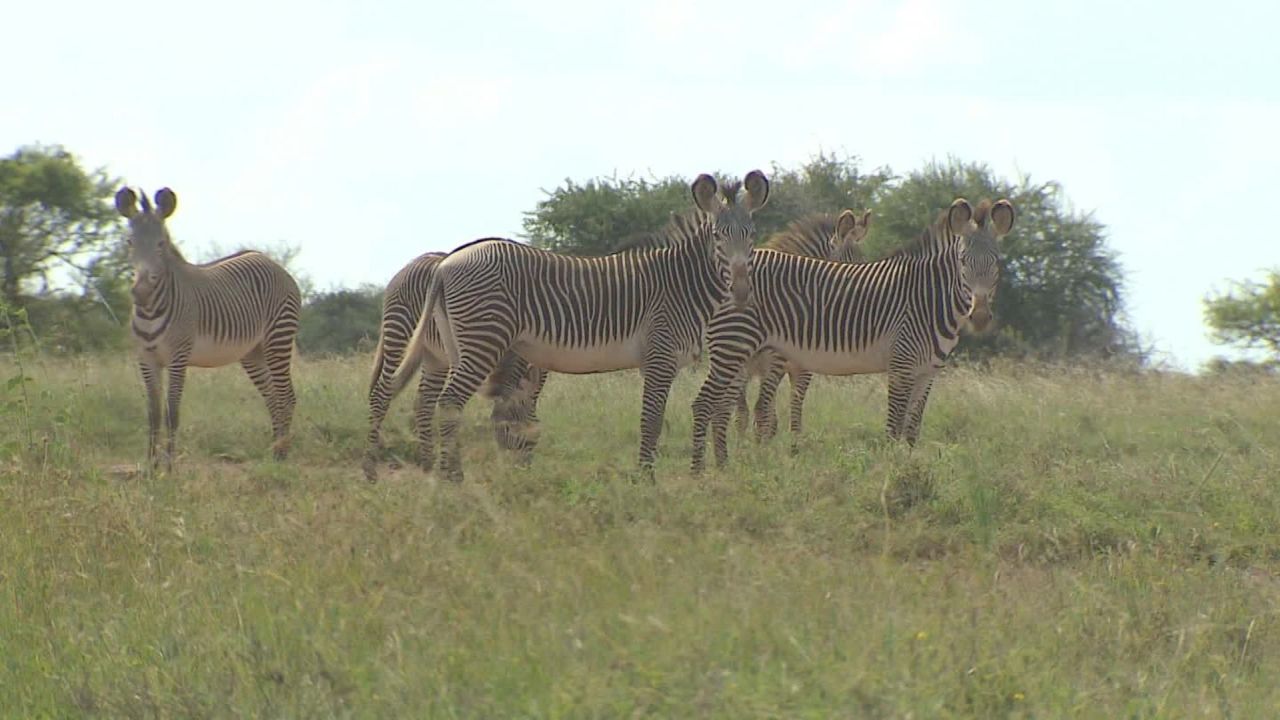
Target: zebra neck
x=954 y=298
x=694 y=267
x=153 y=295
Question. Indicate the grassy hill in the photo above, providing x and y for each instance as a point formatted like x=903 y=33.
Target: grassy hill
x=1063 y=542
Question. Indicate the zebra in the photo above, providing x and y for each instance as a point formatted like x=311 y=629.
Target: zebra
x=515 y=386
x=838 y=239
x=241 y=307
x=643 y=308
x=901 y=315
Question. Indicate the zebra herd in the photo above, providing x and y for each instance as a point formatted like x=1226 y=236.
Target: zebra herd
x=495 y=316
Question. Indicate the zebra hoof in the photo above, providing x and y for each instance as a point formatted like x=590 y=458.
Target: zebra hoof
x=370 y=468
x=280 y=449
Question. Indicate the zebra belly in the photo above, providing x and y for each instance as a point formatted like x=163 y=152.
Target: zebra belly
x=208 y=353
x=874 y=359
x=575 y=360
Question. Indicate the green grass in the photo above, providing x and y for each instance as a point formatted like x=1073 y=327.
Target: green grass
x=1062 y=543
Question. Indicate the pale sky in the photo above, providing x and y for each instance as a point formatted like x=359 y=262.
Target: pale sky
x=367 y=133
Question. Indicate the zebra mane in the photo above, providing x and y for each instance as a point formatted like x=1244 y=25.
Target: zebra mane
x=933 y=237
x=477 y=241
x=982 y=213
x=146 y=202
x=802 y=236
x=730 y=191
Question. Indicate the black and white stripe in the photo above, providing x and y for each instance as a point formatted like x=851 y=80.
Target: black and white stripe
x=835 y=238
x=645 y=308
x=515 y=385
x=901 y=315
x=243 y=307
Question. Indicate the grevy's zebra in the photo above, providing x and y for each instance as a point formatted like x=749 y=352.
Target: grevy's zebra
x=901 y=314
x=515 y=386
x=838 y=239
x=242 y=307
x=646 y=308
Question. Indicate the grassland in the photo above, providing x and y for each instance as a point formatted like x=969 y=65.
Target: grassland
x=1063 y=542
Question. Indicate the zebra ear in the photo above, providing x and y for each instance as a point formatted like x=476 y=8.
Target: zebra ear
x=704 y=194
x=959 y=216
x=1002 y=216
x=166 y=202
x=126 y=202
x=865 y=223
x=847 y=226
x=757 y=186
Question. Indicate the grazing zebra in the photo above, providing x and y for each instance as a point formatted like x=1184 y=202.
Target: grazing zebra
x=515 y=386
x=900 y=315
x=644 y=308
x=837 y=239
x=242 y=307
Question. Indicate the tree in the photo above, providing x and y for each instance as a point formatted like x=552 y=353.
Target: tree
x=62 y=258
x=1247 y=315
x=340 y=321
x=824 y=184
x=52 y=216
x=594 y=218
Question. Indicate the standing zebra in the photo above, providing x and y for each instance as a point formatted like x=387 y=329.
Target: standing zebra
x=644 y=308
x=515 y=386
x=900 y=315
x=821 y=236
x=242 y=307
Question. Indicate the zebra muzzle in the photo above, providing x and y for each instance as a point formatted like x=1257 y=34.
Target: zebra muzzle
x=980 y=316
x=740 y=286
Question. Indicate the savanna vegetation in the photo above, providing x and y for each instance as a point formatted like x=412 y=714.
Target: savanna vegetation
x=1064 y=542
x=1076 y=535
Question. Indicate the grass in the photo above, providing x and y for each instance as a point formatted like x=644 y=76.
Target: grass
x=1062 y=543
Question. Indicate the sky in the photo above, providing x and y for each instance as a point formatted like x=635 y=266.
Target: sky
x=366 y=133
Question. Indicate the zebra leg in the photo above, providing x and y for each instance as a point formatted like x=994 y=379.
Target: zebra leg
x=463 y=381
x=278 y=351
x=385 y=361
x=720 y=422
x=800 y=380
x=177 y=379
x=915 y=411
x=766 y=416
x=742 y=410
x=151 y=380
x=424 y=413
x=727 y=365
x=659 y=374
x=901 y=385
x=255 y=366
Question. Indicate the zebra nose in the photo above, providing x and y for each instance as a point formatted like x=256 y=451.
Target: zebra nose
x=980 y=316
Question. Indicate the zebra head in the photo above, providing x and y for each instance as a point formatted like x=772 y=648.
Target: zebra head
x=733 y=230
x=979 y=253
x=851 y=230
x=149 y=242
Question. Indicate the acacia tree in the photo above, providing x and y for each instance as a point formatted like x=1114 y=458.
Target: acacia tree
x=1247 y=315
